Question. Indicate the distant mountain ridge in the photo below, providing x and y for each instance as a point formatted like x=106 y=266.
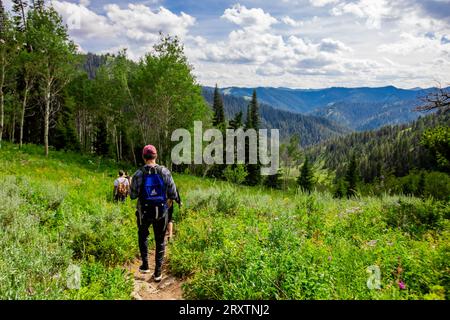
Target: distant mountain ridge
x=311 y=129
x=358 y=108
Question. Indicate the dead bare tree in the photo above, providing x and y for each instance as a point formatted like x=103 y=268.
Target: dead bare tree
x=436 y=100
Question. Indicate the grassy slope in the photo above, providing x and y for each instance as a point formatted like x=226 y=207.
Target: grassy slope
x=232 y=242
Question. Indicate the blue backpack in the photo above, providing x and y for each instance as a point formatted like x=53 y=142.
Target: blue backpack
x=153 y=194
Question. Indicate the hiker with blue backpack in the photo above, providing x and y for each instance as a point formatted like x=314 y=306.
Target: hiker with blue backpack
x=154 y=187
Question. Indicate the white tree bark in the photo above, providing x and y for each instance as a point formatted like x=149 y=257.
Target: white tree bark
x=22 y=115
x=47 y=115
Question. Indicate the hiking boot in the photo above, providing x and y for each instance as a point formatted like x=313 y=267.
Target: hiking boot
x=157 y=276
x=144 y=268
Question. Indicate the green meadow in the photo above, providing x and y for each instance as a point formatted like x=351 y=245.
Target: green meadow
x=231 y=242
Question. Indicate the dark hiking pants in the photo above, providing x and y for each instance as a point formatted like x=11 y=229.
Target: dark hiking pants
x=159 y=229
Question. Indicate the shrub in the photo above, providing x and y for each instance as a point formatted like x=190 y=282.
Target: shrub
x=235 y=174
x=227 y=202
x=415 y=216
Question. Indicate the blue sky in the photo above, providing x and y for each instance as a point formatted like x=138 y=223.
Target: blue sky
x=289 y=43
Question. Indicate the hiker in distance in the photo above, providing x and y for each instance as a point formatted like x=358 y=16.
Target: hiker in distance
x=153 y=186
x=121 y=188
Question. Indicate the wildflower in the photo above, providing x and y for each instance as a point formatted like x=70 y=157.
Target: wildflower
x=401 y=285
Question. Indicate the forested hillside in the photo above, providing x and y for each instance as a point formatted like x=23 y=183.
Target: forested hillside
x=356 y=108
x=363 y=116
x=311 y=129
x=391 y=149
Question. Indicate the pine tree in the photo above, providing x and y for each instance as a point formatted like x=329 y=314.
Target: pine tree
x=254 y=170
x=306 y=178
x=420 y=192
x=351 y=177
x=65 y=135
x=236 y=122
x=274 y=181
x=219 y=112
x=254 y=112
x=248 y=119
x=101 y=138
x=340 y=189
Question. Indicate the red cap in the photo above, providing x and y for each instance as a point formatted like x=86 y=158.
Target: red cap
x=149 y=150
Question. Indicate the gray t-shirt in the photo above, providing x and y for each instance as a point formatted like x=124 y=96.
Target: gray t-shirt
x=121 y=180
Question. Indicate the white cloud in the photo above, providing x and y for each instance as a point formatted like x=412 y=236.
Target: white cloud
x=322 y=3
x=331 y=45
x=374 y=11
x=254 y=18
x=357 y=42
x=135 y=27
x=141 y=23
x=82 y=22
x=409 y=44
x=291 y=22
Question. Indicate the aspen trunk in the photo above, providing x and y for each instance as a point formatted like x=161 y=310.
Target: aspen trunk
x=47 y=117
x=22 y=115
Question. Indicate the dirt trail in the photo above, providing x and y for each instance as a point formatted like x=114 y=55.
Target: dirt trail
x=145 y=288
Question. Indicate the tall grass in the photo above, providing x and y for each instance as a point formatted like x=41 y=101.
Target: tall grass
x=55 y=213
x=245 y=243
x=231 y=242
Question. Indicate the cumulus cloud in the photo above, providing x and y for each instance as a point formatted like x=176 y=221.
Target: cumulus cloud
x=136 y=26
x=272 y=54
x=254 y=18
x=142 y=23
x=291 y=22
x=330 y=45
x=374 y=11
x=348 y=42
x=410 y=43
x=82 y=22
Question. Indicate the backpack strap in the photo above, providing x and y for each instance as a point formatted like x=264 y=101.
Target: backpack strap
x=157 y=169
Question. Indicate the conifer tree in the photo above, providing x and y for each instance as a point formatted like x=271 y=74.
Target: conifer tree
x=340 y=189
x=351 y=177
x=254 y=112
x=248 y=119
x=236 y=122
x=274 y=181
x=253 y=122
x=219 y=112
x=421 y=185
x=306 y=178
x=101 y=138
